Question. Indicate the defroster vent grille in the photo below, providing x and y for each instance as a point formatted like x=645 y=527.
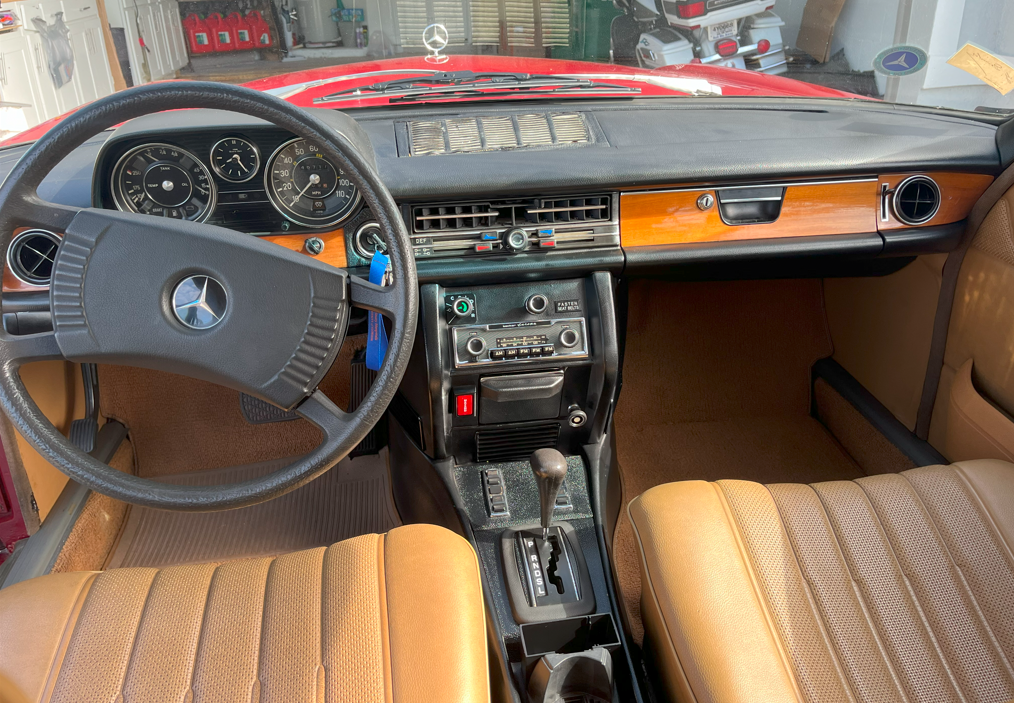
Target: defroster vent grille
x=515 y=443
x=462 y=135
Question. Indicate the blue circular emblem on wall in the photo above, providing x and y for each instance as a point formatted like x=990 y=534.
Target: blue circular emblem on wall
x=900 y=61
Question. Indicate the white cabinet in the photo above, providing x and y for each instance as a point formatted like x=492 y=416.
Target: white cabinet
x=158 y=23
x=15 y=65
x=92 y=77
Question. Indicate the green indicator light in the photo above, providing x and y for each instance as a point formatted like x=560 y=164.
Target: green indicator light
x=462 y=306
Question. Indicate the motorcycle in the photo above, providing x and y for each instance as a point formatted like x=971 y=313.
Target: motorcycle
x=735 y=33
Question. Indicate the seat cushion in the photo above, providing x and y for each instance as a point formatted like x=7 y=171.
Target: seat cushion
x=396 y=617
x=898 y=587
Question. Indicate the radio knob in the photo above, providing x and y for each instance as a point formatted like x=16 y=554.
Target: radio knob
x=516 y=240
x=537 y=304
x=569 y=338
x=475 y=346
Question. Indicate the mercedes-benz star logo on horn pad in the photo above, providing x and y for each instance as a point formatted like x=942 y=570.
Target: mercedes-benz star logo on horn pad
x=200 y=302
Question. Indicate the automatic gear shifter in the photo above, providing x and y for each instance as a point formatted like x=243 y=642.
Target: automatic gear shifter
x=550 y=468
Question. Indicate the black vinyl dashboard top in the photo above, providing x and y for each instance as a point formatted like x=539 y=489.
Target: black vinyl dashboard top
x=640 y=143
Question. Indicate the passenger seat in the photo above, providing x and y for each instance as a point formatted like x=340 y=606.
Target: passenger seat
x=889 y=588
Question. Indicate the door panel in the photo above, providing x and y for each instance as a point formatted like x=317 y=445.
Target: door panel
x=976 y=429
x=979 y=356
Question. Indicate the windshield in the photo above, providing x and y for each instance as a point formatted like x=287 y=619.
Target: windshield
x=355 y=53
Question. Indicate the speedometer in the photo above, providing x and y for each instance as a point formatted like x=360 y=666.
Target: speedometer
x=307 y=188
x=163 y=180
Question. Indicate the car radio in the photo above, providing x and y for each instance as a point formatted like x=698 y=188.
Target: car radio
x=519 y=341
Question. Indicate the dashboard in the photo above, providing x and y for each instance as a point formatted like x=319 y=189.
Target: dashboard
x=515 y=191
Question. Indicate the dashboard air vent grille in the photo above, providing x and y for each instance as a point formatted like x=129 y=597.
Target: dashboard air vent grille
x=499 y=132
x=534 y=130
x=514 y=443
x=31 y=256
x=594 y=209
x=427 y=137
x=462 y=135
x=451 y=217
x=916 y=200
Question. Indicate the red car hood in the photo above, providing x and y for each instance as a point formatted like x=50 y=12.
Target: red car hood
x=301 y=87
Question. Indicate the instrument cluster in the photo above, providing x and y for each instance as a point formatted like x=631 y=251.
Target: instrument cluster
x=224 y=179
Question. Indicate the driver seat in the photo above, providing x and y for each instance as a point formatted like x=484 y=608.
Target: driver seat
x=389 y=618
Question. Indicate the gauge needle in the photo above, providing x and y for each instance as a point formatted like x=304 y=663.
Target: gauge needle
x=314 y=180
x=235 y=157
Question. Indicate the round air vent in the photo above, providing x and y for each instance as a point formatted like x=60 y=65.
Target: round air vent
x=916 y=200
x=31 y=256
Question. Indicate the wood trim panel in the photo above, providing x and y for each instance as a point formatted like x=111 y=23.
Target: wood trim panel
x=334 y=245
x=333 y=254
x=654 y=218
x=958 y=193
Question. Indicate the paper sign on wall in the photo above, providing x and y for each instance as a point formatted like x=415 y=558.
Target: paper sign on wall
x=988 y=68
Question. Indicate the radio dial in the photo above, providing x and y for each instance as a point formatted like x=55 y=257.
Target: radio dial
x=569 y=338
x=475 y=346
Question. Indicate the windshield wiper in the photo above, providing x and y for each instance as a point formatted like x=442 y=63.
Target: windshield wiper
x=457 y=83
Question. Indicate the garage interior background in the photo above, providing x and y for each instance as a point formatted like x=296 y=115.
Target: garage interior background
x=117 y=43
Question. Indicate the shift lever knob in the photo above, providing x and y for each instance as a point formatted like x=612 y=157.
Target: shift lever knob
x=550 y=468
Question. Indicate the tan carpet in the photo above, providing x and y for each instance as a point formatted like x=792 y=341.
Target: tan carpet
x=716 y=384
x=179 y=424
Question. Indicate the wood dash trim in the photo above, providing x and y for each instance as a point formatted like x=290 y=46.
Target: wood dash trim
x=659 y=218
x=334 y=245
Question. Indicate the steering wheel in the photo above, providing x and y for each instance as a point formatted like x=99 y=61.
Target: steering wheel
x=278 y=318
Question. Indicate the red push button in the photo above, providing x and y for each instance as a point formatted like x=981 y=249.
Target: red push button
x=465 y=406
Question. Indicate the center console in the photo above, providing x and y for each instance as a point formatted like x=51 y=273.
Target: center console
x=517 y=367
x=520 y=383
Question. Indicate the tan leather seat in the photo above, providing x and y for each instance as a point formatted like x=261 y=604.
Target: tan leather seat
x=396 y=617
x=897 y=587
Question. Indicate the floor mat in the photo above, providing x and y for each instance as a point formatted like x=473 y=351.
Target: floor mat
x=716 y=384
x=160 y=408
x=352 y=499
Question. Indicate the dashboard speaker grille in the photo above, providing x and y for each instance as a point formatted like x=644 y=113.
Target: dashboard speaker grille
x=514 y=443
x=31 y=256
x=463 y=135
x=916 y=200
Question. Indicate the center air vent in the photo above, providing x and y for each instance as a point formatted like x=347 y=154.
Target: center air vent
x=31 y=256
x=462 y=135
x=450 y=217
x=916 y=200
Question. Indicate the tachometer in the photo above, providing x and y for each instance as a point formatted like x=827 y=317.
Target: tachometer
x=163 y=180
x=307 y=188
